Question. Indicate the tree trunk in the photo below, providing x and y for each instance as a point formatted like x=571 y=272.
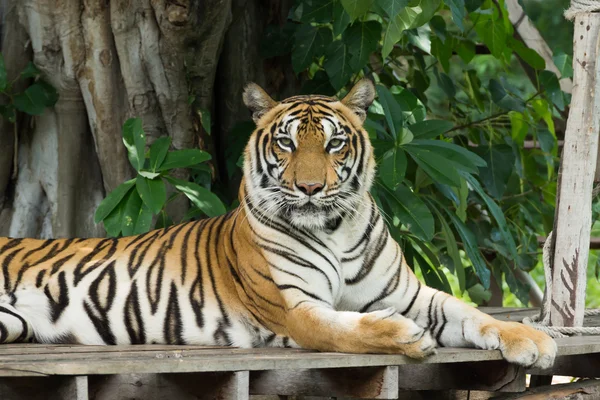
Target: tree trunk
x=110 y=61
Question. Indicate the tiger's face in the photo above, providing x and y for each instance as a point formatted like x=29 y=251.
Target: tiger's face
x=309 y=161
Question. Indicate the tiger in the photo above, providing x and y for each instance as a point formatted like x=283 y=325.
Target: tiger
x=305 y=261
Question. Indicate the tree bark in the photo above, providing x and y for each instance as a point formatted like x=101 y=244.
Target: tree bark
x=153 y=59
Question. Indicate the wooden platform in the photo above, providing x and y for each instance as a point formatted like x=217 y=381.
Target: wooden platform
x=32 y=371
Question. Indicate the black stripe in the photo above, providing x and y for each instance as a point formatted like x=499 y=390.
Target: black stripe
x=309 y=294
x=24 y=330
x=412 y=301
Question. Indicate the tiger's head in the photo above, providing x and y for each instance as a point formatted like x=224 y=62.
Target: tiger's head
x=309 y=161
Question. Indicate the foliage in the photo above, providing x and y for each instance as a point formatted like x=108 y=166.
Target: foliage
x=456 y=184
x=449 y=126
x=33 y=100
x=131 y=207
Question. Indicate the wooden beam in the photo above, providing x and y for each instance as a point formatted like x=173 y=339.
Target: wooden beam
x=362 y=383
x=44 y=388
x=532 y=38
x=582 y=390
x=205 y=386
x=565 y=303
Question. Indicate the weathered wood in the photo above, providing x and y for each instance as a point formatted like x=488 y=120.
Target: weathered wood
x=363 y=383
x=532 y=38
x=44 y=388
x=494 y=376
x=565 y=304
x=52 y=361
x=205 y=386
x=582 y=390
x=582 y=366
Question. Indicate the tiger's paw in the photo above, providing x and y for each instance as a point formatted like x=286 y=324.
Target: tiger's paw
x=402 y=335
x=521 y=344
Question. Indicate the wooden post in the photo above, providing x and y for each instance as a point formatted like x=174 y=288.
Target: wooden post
x=572 y=223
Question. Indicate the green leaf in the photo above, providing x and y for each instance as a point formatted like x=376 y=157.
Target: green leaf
x=356 y=8
x=34 y=99
x=528 y=55
x=452 y=249
x=112 y=200
x=148 y=174
x=133 y=206
x=309 y=43
x=391 y=108
x=549 y=82
x=113 y=221
x=144 y=221
x=442 y=51
x=503 y=99
x=183 y=159
x=500 y=164
x=337 y=64
x=472 y=5
x=460 y=156
x=564 y=63
x=396 y=26
x=341 y=19
x=205 y=120
x=134 y=139
x=479 y=294
x=411 y=211
x=519 y=127
x=498 y=215
x=543 y=110
x=438 y=168
x=3 y=78
x=470 y=245
x=158 y=152
x=316 y=11
x=432 y=274
x=319 y=84
x=446 y=84
x=412 y=109
x=473 y=89
x=153 y=192
x=465 y=50
x=392 y=7
x=459 y=13
x=7 y=111
x=393 y=167
x=362 y=39
x=50 y=93
x=493 y=33
x=202 y=198
x=430 y=129
x=30 y=71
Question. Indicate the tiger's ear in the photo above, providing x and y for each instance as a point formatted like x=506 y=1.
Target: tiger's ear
x=257 y=100
x=360 y=97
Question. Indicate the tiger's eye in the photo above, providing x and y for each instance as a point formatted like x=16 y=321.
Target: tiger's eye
x=285 y=142
x=334 y=143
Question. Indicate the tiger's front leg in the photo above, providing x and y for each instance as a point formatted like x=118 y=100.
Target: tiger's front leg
x=313 y=323
x=452 y=322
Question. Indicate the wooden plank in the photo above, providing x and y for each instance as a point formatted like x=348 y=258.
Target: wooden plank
x=242 y=359
x=493 y=376
x=44 y=388
x=582 y=366
x=362 y=383
x=582 y=390
x=205 y=386
x=565 y=303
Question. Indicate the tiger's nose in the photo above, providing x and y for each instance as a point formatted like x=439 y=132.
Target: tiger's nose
x=309 y=189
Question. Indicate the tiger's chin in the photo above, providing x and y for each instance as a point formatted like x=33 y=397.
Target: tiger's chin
x=309 y=217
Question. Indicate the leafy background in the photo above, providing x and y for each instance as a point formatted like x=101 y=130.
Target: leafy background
x=465 y=127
